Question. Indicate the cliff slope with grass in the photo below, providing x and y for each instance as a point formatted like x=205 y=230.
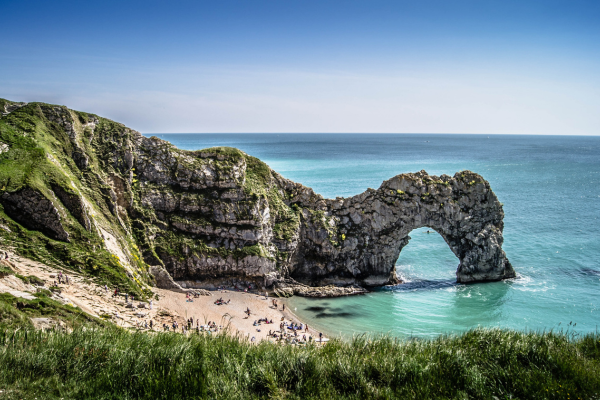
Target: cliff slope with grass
x=88 y=193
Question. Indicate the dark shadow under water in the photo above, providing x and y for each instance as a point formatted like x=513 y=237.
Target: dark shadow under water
x=424 y=284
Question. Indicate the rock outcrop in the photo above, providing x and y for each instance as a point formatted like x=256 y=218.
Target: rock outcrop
x=221 y=217
x=34 y=211
x=359 y=239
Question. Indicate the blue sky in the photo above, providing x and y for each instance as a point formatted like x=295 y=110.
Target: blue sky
x=513 y=67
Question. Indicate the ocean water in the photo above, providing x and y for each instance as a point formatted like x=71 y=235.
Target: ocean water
x=550 y=187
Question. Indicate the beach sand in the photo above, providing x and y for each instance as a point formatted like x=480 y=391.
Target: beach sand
x=171 y=305
x=233 y=314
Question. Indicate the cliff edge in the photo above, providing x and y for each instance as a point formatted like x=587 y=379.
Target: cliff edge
x=92 y=194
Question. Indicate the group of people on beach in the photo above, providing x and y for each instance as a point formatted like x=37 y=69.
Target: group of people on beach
x=275 y=305
x=220 y=301
x=290 y=333
x=262 y=321
x=285 y=336
x=210 y=327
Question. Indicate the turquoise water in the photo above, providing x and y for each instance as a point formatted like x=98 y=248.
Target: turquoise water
x=550 y=187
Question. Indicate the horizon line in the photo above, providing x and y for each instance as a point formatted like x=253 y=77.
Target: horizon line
x=366 y=133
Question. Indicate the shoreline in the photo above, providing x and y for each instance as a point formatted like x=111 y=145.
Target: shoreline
x=232 y=315
x=289 y=314
x=171 y=306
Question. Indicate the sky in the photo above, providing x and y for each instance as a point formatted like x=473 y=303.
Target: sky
x=426 y=66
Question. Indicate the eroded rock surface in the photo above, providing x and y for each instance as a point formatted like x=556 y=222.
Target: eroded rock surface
x=342 y=242
x=33 y=210
x=359 y=239
x=221 y=217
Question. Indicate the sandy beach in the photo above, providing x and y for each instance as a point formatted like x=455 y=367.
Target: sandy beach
x=231 y=315
x=171 y=306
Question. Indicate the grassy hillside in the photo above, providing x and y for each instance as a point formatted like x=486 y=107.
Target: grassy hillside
x=16 y=313
x=83 y=167
x=481 y=364
x=40 y=155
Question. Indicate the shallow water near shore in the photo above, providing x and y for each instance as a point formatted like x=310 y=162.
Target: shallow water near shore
x=550 y=187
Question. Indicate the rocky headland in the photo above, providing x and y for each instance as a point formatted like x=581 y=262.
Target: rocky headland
x=97 y=196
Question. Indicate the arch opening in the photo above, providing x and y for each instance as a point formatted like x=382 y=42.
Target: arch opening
x=426 y=259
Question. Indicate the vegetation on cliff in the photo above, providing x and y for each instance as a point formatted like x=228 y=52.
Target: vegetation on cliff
x=16 y=312
x=96 y=217
x=39 y=155
x=115 y=364
x=91 y=194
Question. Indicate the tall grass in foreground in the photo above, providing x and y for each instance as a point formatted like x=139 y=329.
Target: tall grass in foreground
x=116 y=364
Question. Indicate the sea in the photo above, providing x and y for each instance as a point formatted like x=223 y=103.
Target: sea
x=550 y=188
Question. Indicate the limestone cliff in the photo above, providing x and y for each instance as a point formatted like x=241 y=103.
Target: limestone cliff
x=114 y=202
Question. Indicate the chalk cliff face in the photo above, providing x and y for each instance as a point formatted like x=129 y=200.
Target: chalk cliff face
x=219 y=216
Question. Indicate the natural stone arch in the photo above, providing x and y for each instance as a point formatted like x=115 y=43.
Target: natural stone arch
x=359 y=239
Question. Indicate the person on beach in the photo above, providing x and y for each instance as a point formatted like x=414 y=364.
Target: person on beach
x=305 y=328
x=283 y=309
x=320 y=337
x=151 y=304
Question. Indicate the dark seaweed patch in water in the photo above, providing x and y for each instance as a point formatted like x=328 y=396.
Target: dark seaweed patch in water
x=334 y=315
x=422 y=285
x=315 y=309
x=589 y=272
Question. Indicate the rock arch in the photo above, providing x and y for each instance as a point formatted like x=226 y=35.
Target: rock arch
x=357 y=240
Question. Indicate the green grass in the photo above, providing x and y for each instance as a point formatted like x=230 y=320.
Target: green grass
x=31 y=279
x=39 y=157
x=5 y=271
x=116 y=364
x=16 y=312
